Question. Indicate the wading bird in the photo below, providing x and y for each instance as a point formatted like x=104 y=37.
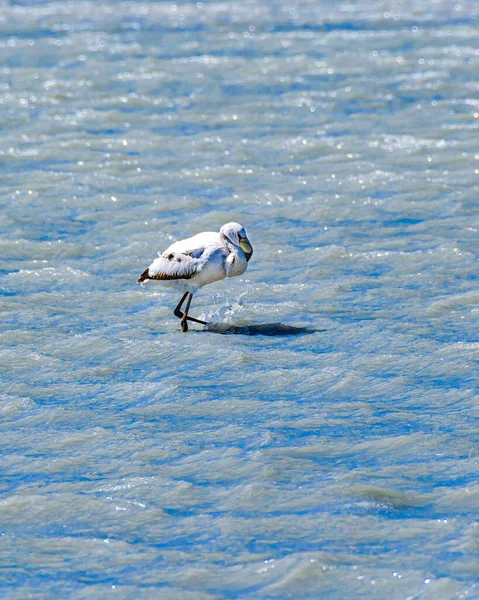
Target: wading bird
x=204 y=258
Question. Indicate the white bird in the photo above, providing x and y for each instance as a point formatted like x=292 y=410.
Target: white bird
x=204 y=258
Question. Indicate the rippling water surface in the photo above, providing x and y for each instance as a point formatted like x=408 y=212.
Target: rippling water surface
x=319 y=439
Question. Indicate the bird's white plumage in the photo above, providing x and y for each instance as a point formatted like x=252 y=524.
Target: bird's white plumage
x=204 y=258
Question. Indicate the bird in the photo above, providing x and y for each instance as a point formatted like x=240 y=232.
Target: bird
x=197 y=261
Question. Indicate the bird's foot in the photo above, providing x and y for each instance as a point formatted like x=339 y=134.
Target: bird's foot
x=184 y=325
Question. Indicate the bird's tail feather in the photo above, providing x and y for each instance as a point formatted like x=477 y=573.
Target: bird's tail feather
x=144 y=275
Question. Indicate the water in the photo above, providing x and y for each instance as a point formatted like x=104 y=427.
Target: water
x=319 y=439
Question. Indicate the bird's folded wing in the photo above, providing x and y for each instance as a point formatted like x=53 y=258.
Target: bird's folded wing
x=184 y=259
x=194 y=246
x=174 y=265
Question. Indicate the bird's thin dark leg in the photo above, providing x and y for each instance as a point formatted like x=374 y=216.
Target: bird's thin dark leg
x=177 y=310
x=184 y=322
x=197 y=321
x=185 y=318
x=180 y=314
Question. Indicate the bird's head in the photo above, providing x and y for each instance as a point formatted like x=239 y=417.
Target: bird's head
x=236 y=234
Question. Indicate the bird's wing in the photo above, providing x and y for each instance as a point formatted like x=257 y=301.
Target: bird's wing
x=183 y=259
x=197 y=243
x=171 y=265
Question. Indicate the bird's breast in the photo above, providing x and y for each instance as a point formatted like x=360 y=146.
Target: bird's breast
x=235 y=264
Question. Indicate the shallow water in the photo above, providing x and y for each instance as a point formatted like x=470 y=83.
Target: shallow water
x=319 y=437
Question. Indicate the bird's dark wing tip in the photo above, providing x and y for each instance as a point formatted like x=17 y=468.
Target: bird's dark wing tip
x=143 y=276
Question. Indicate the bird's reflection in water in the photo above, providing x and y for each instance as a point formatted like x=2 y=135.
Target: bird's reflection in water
x=271 y=329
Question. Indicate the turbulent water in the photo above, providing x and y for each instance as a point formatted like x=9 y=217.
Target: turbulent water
x=319 y=439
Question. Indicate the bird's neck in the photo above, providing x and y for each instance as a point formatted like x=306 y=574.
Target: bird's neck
x=236 y=262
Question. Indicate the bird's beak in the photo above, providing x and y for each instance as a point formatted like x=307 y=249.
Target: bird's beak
x=246 y=247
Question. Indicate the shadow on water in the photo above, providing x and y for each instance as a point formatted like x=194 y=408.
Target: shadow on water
x=271 y=329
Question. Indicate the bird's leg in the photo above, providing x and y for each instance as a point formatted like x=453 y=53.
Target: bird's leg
x=184 y=322
x=197 y=321
x=177 y=310
x=181 y=315
x=185 y=318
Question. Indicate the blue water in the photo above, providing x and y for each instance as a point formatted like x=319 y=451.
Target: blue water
x=319 y=438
